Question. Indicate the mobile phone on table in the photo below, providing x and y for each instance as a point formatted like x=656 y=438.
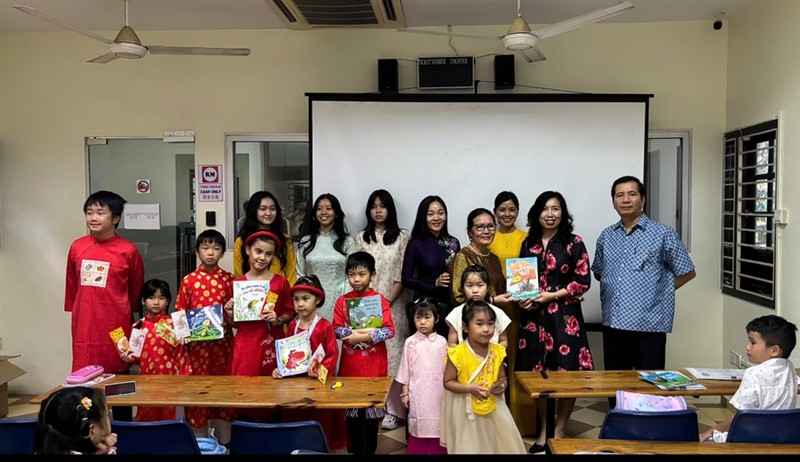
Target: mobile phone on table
x=120 y=388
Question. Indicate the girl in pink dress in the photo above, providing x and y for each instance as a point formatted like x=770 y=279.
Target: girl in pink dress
x=421 y=374
x=254 y=342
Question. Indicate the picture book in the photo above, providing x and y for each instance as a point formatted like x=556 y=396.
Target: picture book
x=180 y=323
x=205 y=323
x=137 y=341
x=670 y=380
x=164 y=330
x=120 y=340
x=365 y=312
x=293 y=353
x=250 y=299
x=522 y=277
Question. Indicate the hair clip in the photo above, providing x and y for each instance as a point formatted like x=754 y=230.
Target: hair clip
x=86 y=403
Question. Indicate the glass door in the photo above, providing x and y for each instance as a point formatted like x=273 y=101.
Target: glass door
x=156 y=178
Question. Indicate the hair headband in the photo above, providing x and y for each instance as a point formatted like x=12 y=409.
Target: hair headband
x=267 y=234
x=312 y=289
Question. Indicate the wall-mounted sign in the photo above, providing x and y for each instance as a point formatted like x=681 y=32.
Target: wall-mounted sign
x=209 y=183
x=143 y=186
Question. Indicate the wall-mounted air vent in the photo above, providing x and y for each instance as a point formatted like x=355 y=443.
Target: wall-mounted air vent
x=311 y=14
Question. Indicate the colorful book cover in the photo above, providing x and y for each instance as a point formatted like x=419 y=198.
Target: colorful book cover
x=205 y=323
x=250 y=298
x=293 y=353
x=365 y=312
x=166 y=332
x=667 y=380
x=120 y=340
x=522 y=277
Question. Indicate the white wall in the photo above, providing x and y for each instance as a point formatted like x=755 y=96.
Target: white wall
x=52 y=99
x=763 y=83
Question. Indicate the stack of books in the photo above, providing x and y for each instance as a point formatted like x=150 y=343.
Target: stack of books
x=670 y=380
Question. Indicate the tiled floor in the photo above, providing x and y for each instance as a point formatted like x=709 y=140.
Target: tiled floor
x=585 y=423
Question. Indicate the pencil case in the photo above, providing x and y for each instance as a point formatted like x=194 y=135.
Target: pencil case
x=84 y=374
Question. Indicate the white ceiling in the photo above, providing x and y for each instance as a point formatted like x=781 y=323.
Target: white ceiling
x=104 y=15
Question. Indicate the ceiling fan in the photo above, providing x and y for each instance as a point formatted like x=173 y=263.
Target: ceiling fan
x=127 y=44
x=521 y=38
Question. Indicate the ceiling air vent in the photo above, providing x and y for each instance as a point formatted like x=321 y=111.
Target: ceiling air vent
x=312 y=14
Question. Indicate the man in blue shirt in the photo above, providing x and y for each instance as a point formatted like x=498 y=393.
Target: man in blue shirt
x=639 y=263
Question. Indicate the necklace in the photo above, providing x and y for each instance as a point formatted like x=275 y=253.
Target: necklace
x=472 y=247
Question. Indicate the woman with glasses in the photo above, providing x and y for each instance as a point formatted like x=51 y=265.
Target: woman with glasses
x=481 y=228
x=559 y=342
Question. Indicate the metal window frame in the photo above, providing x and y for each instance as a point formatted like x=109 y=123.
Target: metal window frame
x=742 y=252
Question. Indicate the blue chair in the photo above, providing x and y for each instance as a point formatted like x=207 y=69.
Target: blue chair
x=16 y=435
x=620 y=424
x=277 y=438
x=161 y=437
x=765 y=426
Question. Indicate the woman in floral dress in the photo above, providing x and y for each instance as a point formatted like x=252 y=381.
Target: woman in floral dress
x=552 y=334
x=383 y=238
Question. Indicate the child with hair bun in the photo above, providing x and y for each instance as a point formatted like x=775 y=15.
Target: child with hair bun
x=421 y=373
x=74 y=420
x=475 y=418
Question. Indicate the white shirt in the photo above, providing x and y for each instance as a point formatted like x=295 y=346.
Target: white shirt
x=500 y=324
x=769 y=385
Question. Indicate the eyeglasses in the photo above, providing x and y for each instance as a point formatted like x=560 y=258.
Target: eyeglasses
x=484 y=227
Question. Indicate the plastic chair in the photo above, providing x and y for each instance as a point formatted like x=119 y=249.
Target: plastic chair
x=16 y=435
x=277 y=438
x=765 y=426
x=161 y=437
x=621 y=424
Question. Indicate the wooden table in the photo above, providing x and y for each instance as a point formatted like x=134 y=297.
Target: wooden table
x=603 y=384
x=248 y=392
x=591 y=446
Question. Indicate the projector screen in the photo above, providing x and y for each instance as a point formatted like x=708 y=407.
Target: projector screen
x=468 y=148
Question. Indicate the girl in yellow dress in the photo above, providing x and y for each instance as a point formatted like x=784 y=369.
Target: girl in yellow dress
x=475 y=418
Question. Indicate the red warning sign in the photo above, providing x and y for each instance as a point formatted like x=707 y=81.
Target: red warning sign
x=209 y=182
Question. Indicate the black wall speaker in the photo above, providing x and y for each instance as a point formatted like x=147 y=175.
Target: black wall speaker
x=504 y=72
x=387 y=76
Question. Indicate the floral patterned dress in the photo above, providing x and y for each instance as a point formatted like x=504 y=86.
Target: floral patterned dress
x=553 y=337
x=388 y=270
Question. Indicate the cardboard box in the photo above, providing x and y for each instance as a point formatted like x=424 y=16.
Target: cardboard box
x=8 y=372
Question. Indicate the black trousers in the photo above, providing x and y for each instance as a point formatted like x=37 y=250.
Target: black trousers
x=626 y=349
x=363 y=433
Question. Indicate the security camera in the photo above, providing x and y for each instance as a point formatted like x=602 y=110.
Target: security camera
x=717 y=24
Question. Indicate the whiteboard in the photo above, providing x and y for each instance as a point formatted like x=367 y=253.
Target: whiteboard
x=468 y=148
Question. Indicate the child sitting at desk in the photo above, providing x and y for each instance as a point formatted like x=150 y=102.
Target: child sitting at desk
x=771 y=383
